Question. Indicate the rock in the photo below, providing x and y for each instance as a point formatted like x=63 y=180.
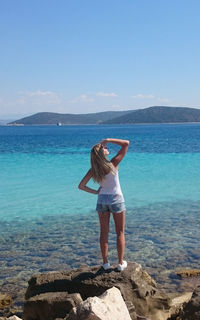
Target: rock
x=5 y=301
x=191 y=310
x=50 y=305
x=181 y=299
x=110 y=305
x=185 y=273
x=5 y=306
x=10 y=318
x=138 y=289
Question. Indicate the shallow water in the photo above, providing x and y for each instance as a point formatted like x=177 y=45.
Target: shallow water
x=48 y=224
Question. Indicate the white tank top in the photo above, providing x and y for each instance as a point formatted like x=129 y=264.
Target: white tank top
x=110 y=184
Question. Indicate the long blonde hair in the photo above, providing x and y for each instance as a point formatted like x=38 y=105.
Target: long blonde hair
x=100 y=165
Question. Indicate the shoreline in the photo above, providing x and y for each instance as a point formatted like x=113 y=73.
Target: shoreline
x=98 y=124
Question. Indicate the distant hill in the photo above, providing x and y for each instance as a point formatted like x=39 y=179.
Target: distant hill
x=158 y=114
x=54 y=118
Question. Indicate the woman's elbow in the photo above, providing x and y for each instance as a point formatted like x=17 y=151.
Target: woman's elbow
x=80 y=186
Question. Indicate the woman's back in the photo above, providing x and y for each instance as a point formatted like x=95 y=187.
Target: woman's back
x=110 y=184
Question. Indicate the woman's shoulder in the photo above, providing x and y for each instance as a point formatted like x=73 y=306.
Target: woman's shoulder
x=114 y=167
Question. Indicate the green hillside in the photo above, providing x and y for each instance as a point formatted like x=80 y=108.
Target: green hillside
x=54 y=118
x=159 y=115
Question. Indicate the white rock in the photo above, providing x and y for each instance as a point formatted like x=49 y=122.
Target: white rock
x=14 y=318
x=110 y=305
x=182 y=298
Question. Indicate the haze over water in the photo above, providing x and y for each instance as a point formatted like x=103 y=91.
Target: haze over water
x=48 y=224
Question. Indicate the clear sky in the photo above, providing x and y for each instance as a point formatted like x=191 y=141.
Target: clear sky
x=80 y=56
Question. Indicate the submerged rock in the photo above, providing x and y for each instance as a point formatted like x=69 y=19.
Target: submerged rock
x=5 y=300
x=5 y=305
x=185 y=273
x=138 y=289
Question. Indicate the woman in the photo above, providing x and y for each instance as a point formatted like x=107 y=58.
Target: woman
x=110 y=197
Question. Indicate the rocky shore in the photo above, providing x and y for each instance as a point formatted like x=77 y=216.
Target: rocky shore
x=90 y=293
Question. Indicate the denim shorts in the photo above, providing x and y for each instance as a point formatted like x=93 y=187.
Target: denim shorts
x=110 y=203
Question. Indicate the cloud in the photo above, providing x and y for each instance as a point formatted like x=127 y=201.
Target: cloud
x=26 y=102
x=143 y=96
x=39 y=97
x=82 y=98
x=138 y=96
x=163 y=100
x=106 y=94
x=40 y=93
x=151 y=96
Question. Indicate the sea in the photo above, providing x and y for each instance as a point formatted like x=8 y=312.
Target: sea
x=47 y=223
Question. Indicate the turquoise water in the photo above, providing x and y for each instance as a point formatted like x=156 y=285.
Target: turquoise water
x=42 y=166
x=37 y=184
x=48 y=224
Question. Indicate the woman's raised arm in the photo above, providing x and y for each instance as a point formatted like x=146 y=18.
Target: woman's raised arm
x=124 y=147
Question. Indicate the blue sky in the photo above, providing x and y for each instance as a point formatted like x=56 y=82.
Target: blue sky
x=75 y=56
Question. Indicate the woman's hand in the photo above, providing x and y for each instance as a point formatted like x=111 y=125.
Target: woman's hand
x=99 y=190
x=104 y=141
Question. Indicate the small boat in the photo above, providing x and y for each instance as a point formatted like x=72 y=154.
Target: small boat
x=59 y=124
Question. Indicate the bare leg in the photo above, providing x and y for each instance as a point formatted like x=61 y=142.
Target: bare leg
x=104 y=218
x=119 y=219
